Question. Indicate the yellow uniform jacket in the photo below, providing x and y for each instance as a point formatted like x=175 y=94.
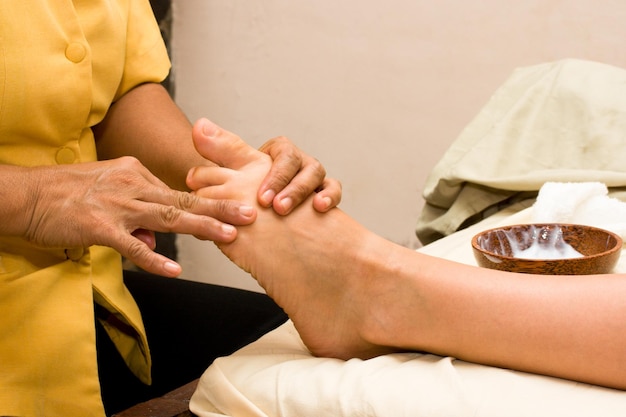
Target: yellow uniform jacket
x=62 y=64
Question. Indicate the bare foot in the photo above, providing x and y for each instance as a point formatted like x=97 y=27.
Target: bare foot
x=315 y=266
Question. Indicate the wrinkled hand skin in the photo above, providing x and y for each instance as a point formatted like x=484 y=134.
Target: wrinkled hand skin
x=118 y=203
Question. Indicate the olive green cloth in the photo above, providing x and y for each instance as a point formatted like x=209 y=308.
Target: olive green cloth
x=560 y=121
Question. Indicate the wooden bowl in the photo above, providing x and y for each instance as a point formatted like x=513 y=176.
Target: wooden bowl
x=552 y=249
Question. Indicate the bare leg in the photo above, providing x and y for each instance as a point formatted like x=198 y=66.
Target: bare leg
x=351 y=293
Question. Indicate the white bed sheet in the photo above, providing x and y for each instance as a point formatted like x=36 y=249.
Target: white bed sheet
x=277 y=376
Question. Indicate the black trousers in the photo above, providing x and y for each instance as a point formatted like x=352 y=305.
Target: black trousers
x=188 y=325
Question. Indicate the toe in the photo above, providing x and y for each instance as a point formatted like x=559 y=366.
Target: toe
x=221 y=146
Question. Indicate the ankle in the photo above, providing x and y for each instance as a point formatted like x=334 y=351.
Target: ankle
x=374 y=283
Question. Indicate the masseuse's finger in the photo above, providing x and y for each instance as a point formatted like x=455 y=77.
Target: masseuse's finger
x=328 y=196
x=135 y=241
x=293 y=177
x=189 y=214
x=169 y=204
x=284 y=186
x=138 y=252
x=287 y=164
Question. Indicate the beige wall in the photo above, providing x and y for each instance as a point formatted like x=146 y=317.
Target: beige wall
x=375 y=90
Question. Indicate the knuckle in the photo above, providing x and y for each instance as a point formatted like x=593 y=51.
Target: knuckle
x=123 y=171
x=136 y=252
x=129 y=161
x=318 y=169
x=169 y=216
x=332 y=183
x=186 y=201
x=267 y=146
x=126 y=165
x=294 y=153
x=282 y=178
x=300 y=190
x=283 y=147
x=279 y=141
x=223 y=208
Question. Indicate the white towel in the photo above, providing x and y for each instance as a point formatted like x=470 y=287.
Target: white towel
x=580 y=203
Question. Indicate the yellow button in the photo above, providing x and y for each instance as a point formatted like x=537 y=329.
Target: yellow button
x=75 y=52
x=74 y=254
x=65 y=156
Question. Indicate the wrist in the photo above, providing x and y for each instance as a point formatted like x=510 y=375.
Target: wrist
x=19 y=188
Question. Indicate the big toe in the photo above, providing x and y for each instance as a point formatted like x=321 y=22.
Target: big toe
x=221 y=146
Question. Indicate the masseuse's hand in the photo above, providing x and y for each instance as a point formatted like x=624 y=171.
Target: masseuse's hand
x=293 y=177
x=114 y=203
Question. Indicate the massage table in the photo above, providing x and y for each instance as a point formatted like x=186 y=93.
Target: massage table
x=277 y=375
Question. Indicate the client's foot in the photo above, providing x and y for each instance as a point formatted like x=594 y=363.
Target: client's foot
x=315 y=266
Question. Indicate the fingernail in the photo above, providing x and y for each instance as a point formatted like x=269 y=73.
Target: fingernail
x=228 y=229
x=172 y=267
x=190 y=174
x=327 y=202
x=209 y=129
x=268 y=197
x=286 y=203
x=247 y=211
